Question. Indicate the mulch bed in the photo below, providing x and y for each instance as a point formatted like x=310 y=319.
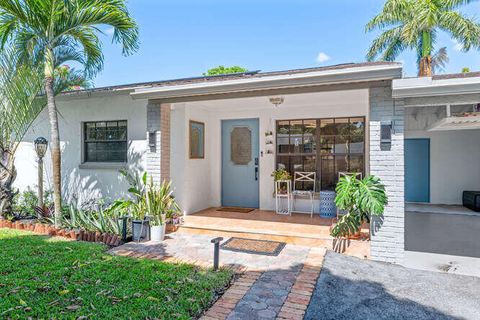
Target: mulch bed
x=77 y=235
x=262 y=247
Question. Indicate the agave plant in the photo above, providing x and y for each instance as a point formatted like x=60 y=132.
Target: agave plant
x=92 y=221
x=361 y=199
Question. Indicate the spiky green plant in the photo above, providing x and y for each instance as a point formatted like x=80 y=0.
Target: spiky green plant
x=148 y=199
x=43 y=31
x=415 y=24
x=91 y=221
x=360 y=199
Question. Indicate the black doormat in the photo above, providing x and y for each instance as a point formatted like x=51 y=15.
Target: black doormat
x=262 y=247
x=235 y=209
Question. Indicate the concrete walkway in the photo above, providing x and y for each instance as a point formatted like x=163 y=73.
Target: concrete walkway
x=267 y=287
x=350 y=288
x=198 y=249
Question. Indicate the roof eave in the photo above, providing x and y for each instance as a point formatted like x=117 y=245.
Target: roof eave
x=349 y=75
x=428 y=87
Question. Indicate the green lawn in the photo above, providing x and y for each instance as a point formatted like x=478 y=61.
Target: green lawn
x=49 y=278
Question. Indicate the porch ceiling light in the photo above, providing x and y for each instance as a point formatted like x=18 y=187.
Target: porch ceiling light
x=276 y=101
x=41 y=145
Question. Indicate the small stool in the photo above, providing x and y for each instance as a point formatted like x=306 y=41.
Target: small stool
x=328 y=209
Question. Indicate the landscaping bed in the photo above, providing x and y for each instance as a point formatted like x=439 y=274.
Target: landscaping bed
x=45 y=277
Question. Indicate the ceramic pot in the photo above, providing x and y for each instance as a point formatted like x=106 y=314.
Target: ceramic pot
x=140 y=232
x=157 y=233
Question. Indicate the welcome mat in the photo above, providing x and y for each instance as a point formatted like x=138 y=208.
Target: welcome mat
x=235 y=209
x=263 y=247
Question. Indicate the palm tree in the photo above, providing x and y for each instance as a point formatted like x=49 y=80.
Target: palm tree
x=21 y=100
x=42 y=31
x=439 y=60
x=19 y=106
x=415 y=24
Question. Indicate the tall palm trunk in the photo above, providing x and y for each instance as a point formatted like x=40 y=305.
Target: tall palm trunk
x=54 y=135
x=425 y=66
x=7 y=177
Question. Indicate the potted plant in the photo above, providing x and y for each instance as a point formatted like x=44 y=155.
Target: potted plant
x=160 y=203
x=281 y=175
x=360 y=199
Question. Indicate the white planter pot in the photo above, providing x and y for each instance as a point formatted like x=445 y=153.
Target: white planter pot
x=157 y=233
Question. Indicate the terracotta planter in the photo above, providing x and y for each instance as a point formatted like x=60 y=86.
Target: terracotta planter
x=171 y=228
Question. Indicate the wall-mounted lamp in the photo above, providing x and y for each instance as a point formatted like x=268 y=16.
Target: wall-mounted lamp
x=152 y=139
x=41 y=145
x=386 y=135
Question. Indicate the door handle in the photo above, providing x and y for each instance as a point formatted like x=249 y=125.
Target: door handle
x=256 y=173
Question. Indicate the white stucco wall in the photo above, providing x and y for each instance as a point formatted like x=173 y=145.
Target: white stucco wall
x=79 y=184
x=198 y=181
x=454 y=155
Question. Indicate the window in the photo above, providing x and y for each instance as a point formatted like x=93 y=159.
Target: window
x=105 y=141
x=326 y=146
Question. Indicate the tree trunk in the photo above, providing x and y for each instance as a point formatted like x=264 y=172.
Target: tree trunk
x=7 y=177
x=54 y=136
x=425 y=67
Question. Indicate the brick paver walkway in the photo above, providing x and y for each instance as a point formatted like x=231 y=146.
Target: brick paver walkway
x=268 y=288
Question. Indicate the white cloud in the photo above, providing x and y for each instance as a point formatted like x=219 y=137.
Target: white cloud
x=457 y=46
x=322 y=57
x=109 y=31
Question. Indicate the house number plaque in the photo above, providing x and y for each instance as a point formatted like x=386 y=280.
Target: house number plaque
x=241 y=145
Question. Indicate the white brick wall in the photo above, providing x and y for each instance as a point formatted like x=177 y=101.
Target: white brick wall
x=387 y=243
x=154 y=153
x=158 y=157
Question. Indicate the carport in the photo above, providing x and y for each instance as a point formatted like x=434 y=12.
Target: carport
x=442 y=156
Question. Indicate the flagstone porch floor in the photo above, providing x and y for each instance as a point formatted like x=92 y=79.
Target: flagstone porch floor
x=298 y=229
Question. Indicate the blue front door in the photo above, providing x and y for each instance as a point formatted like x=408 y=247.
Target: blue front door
x=417 y=170
x=240 y=170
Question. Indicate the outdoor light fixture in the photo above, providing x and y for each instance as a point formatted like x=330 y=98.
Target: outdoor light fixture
x=386 y=135
x=41 y=145
x=276 y=101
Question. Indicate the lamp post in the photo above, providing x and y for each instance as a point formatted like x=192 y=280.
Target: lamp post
x=41 y=145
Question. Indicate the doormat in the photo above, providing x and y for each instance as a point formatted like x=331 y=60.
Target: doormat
x=263 y=247
x=235 y=209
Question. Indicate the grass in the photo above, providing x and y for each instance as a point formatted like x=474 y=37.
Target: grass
x=47 y=278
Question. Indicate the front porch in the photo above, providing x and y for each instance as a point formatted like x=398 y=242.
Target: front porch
x=298 y=229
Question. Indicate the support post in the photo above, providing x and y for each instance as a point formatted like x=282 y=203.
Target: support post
x=216 y=252
x=40 y=182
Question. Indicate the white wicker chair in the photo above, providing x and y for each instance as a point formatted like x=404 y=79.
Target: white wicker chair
x=300 y=177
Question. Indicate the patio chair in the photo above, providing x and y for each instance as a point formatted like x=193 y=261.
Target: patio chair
x=341 y=213
x=301 y=178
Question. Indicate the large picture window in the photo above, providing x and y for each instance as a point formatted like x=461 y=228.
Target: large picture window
x=325 y=146
x=105 y=141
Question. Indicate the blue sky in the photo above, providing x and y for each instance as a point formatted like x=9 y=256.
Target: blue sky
x=183 y=38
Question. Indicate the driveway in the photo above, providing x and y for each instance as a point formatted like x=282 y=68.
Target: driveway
x=351 y=288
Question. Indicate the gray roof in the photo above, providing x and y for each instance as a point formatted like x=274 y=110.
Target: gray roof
x=456 y=75
x=233 y=76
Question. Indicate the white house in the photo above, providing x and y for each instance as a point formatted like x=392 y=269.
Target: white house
x=219 y=139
